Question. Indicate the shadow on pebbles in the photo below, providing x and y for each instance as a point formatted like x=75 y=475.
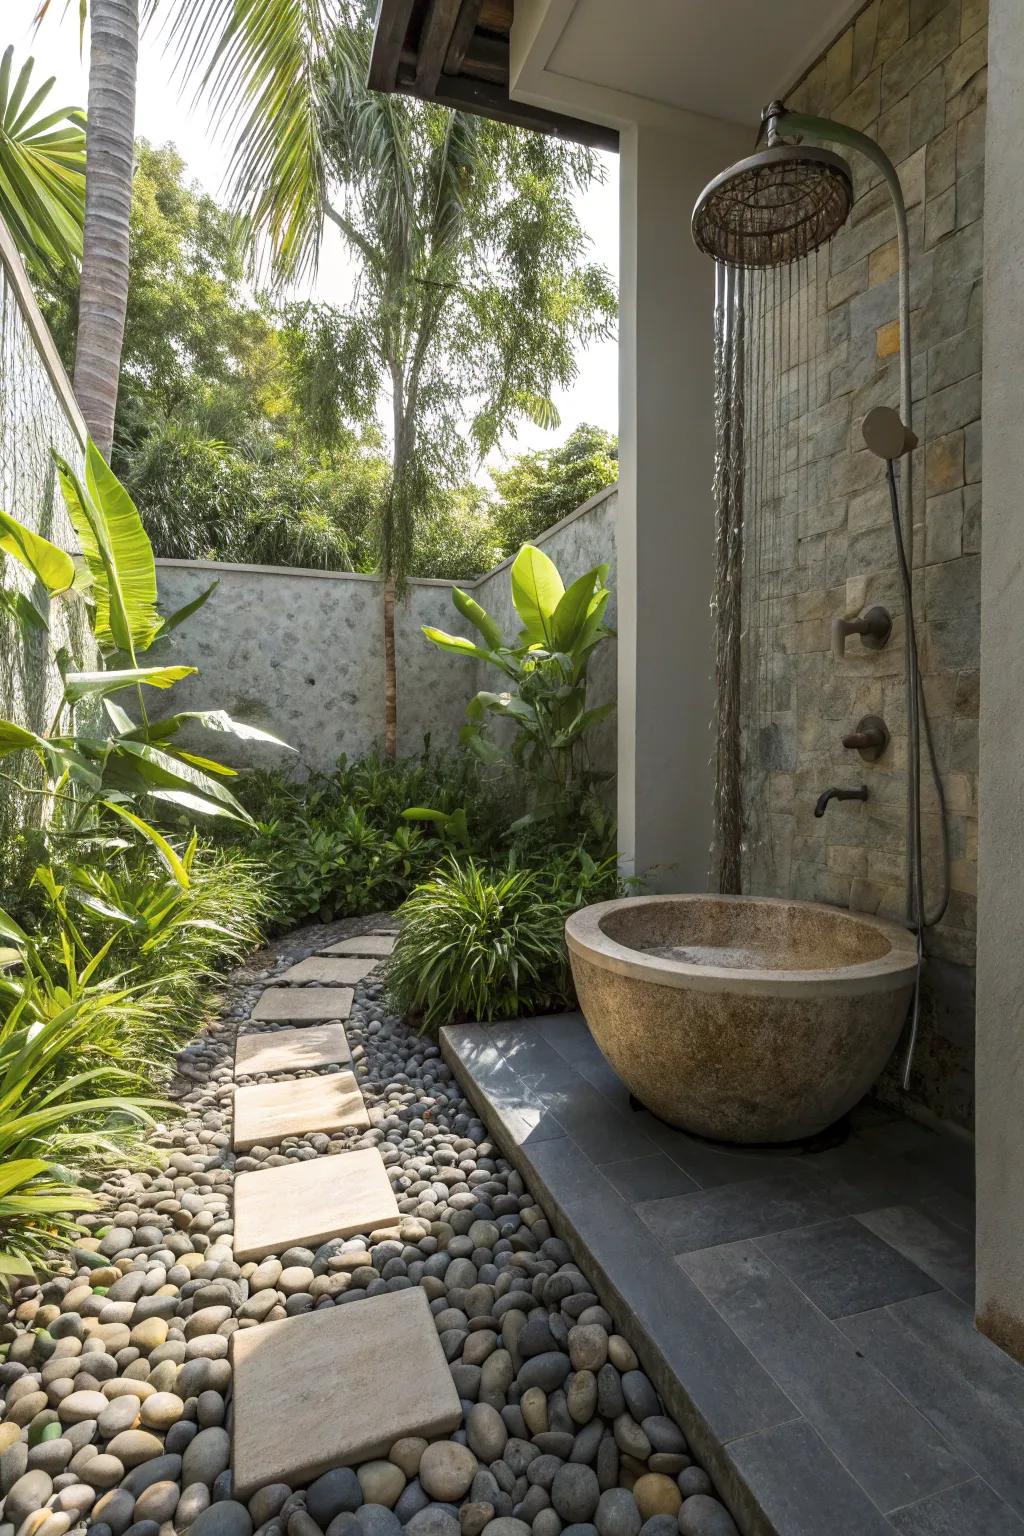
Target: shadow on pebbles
x=116 y=1385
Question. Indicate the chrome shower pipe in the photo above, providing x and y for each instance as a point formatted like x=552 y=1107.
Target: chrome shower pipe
x=798 y=125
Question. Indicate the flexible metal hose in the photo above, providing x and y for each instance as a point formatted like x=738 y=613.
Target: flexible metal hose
x=918 y=714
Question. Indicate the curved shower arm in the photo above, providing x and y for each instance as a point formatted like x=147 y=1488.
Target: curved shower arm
x=799 y=125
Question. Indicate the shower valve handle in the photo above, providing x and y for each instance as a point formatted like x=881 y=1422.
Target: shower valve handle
x=874 y=627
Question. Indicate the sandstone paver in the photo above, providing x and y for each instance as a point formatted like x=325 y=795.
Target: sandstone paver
x=306 y=1203
x=291 y=1050
x=336 y=1388
x=377 y=944
x=295 y=1005
x=267 y=1112
x=328 y=970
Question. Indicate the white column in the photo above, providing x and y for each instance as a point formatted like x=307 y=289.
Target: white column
x=666 y=516
x=1000 y=1011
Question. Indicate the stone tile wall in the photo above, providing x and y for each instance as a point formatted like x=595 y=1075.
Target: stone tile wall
x=911 y=73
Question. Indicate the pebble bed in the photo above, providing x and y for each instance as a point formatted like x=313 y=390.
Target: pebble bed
x=116 y=1386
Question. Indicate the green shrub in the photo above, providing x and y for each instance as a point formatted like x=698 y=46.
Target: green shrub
x=337 y=845
x=481 y=943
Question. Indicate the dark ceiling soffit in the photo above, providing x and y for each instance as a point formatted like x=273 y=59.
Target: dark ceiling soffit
x=447 y=38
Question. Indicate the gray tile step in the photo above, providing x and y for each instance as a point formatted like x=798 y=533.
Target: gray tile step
x=335 y=1388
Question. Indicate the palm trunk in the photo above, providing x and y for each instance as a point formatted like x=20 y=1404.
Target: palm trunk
x=103 y=300
x=390 y=674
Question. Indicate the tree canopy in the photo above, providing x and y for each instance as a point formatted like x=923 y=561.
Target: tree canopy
x=538 y=489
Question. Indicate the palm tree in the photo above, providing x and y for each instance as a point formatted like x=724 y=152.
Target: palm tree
x=472 y=292
x=110 y=143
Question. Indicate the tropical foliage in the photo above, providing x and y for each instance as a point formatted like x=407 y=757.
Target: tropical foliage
x=545 y=700
x=42 y=170
x=488 y=943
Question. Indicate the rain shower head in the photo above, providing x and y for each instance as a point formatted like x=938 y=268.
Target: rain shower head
x=773 y=207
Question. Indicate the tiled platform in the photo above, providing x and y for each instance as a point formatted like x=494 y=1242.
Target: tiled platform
x=291 y=1050
x=806 y=1313
x=311 y=1201
x=267 y=1112
x=303 y=1005
x=335 y=1388
x=345 y=971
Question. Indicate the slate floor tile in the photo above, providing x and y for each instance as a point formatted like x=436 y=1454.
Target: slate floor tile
x=972 y=1509
x=648 y=1178
x=606 y=1134
x=892 y=1450
x=844 y=1268
x=937 y=1245
x=521 y=1114
x=707 y=1162
x=801 y=1487
x=723 y=1382
x=752 y=1208
x=969 y=1389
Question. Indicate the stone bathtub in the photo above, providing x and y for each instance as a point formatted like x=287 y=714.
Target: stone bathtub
x=748 y=1019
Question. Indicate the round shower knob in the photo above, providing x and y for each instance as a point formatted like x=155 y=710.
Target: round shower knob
x=885 y=434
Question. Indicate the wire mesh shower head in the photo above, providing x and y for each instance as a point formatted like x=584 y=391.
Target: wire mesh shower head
x=773 y=207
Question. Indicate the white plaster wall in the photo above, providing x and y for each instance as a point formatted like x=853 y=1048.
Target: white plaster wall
x=300 y=653
x=1000 y=1016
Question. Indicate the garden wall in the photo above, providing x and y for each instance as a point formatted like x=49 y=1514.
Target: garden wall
x=300 y=653
x=38 y=413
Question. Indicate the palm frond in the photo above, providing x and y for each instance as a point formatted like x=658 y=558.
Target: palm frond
x=261 y=64
x=42 y=168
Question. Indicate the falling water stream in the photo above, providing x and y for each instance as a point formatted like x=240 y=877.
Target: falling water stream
x=771 y=378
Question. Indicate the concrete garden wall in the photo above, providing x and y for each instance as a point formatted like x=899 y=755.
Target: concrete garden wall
x=301 y=652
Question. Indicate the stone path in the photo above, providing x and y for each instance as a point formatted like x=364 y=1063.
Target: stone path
x=369 y=1375
x=291 y=1050
x=124 y=1374
x=311 y=1202
x=295 y=1005
x=266 y=1113
x=328 y=971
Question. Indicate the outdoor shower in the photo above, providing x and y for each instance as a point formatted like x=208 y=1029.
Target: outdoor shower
x=772 y=209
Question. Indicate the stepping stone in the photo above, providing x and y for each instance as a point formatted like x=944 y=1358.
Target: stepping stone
x=291 y=1050
x=335 y=1388
x=333 y=972
x=306 y=1203
x=267 y=1112
x=289 y=1005
x=377 y=944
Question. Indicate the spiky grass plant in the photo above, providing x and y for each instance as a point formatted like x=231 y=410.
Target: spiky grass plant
x=478 y=944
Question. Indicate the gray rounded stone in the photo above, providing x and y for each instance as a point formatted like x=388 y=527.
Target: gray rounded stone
x=505 y=1525
x=158 y=1502
x=227 y=1518
x=206 y=1457
x=411 y=1500
x=486 y=1432
x=547 y=1371
x=660 y=1525
x=434 y=1520
x=702 y=1515
x=375 y=1520
x=28 y=1494
x=332 y=1494
x=575 y=1493
x=693 y=1480
x=268 y=1501
x=641 y=1398
x=617 y=1514
x=194 y=1499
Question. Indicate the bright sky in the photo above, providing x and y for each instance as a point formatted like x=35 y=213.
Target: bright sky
x=163 y=115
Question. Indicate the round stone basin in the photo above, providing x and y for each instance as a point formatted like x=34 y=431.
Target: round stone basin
x=742 y=1018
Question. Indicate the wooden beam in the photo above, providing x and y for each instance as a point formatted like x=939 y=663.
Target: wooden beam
x=486 y=58
x=466 y=95
x=435 y=38
x=389 y=30
x=462 y=36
